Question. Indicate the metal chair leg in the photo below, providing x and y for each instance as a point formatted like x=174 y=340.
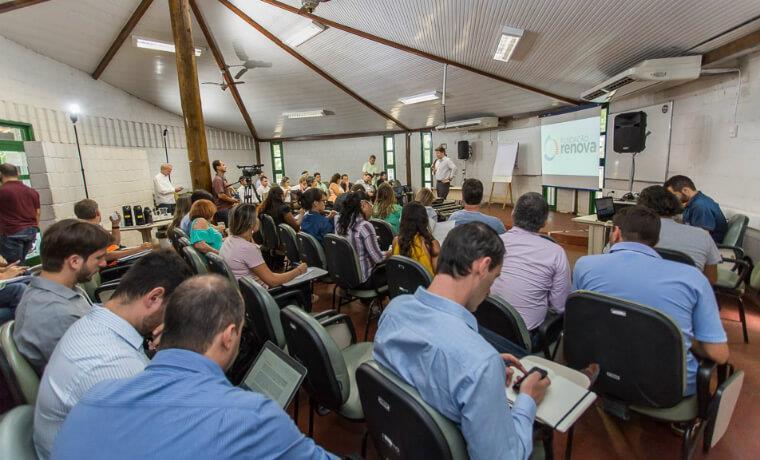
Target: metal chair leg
x=369 y=320
x=569 y=445
x=743 y=318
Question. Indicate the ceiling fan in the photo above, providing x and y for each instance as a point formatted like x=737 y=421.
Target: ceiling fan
x=246 y=63
x=223 y=84
x=310 y=5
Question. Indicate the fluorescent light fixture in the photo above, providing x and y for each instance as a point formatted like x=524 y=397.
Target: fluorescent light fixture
x=306 y=33
x=158 y=45
x=423 y=97
x=304 y=114
x=510 y=36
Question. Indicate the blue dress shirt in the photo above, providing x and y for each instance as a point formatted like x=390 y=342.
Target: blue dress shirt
x=181 y=406
x=433 y=344
x=317 y=225
x=703 y=211
x=635 y=272
x=464 y=216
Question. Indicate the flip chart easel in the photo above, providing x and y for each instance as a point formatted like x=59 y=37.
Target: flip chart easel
x=503 y=167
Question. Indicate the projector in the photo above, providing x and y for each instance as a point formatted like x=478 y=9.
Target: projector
x=310 y=5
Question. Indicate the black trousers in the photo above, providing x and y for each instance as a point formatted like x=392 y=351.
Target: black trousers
x=442 y=189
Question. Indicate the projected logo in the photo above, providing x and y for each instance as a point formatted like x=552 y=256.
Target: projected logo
x=551 y=148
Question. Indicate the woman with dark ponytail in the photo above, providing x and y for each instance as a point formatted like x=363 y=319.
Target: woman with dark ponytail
x=354 y=225
x=313 y=222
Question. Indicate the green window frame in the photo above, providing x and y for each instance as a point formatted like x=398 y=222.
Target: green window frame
x=278 y=162
x=389 y=155
x=426 y=158
x=550 y=195
x=21 y=132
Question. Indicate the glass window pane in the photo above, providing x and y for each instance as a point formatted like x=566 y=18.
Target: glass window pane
x=15 y=158
x=278 y=164
x=10 y=133
x=388 y=143
x=389 y=159
x=276 y=149
x=426 y=172
x=426 y=157
x=277 y=178
x=426 y=139
x=391 y=174
x=428 y=184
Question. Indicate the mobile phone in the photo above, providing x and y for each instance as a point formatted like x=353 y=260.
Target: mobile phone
x=519 y=381
x=115 y=216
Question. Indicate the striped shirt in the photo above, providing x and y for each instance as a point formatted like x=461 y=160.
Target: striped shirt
x=363 y=238
x=100 y=346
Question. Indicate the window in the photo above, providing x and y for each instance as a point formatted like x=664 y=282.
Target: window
x=389 y=150
x=278 y=162
x=426 y=156
x=550 y=195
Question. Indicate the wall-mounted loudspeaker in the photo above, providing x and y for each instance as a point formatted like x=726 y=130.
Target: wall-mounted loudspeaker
x=630 y=132
x=463 y=148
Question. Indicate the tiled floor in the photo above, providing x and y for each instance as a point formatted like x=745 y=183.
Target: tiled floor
x=598 y=435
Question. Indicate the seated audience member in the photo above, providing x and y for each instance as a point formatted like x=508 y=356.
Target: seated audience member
x=535 y=275
x=472 y=195
x=366 y=182
x=304 y=183
x=431 y=341
x=425 y=197
x=182 y=405
x=692 y=241
x=386 y=208
x=106 y=343
x=338 y=205
x=264 y=187
x=635 y=272
x=180 y=210
x=313 y=222
x=285 y=186
x=382 y=178
x=345 y=183
x=87 y=210
x=353 y=224
x=72 y=252
x=319 y=184
x=699 y=209
x=19 y=215
x=10 y=293
x=334 y=189
x=277 y=208
x=244 y=256
x=203 y=235
x=195 y=196
x=415 y=239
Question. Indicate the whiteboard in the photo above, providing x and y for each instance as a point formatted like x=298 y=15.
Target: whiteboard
x=529 y=150
x=504 y=163
x=652 y=162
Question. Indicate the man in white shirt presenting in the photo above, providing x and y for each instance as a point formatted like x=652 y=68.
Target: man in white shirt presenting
x=371 y=168
x=163 y=190
x=443 y=169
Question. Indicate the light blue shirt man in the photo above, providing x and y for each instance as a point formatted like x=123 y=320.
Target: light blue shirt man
x=433 y=344
x=99 y=346
x=635 y=272
x=181 y=406
x=464 y=216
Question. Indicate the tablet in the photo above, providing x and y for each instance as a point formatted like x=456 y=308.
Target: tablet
x=605 y=208
x=275 y=374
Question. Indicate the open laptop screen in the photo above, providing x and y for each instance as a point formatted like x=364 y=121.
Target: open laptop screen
x=605 y=208
x=275 y=374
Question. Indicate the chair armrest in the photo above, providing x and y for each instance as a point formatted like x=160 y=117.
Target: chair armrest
x=324 y=314
x=738 y=252
x=338 y=319
x=111 y=286
x=704 y=395
x=293 y=297
x=744 y=270
x=550 y=330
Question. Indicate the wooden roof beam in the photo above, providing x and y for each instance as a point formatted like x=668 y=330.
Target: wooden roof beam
x=309 y=64
x=219 y=58
x=421 y=53
x=125 y=31
x=737 y=48
x=7 y=7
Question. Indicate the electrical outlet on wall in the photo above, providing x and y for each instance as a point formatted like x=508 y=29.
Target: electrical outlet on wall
x=733 y=130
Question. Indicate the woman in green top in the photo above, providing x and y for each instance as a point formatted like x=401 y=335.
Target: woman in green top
x=386 y=208
x=203 y=236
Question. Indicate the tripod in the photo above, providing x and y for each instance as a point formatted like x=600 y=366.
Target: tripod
x=249 y=191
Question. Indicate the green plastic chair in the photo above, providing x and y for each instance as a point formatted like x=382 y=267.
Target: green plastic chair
x=196 y=260
x=22 y=380
x=16 y=428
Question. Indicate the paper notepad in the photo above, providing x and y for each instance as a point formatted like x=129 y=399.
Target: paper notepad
x=564 y=402
x=311 y=274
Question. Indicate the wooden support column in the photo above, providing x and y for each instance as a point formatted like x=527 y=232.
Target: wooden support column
x=190 y=94
x=408 y=137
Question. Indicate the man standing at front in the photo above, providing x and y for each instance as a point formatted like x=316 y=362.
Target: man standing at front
x=431 y=341
x=163 y=190
x=220 y=188
x=19 y=215
x=443 y=170
x=372 y=168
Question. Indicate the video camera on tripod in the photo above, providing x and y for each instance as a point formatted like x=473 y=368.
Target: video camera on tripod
x=248 y=189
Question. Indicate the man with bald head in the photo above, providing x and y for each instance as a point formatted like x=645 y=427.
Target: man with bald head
x=163 y=190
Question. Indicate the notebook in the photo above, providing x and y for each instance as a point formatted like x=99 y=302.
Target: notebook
x=564 y=402
x=275 y=374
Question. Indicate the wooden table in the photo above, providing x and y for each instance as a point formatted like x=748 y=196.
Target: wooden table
x=147 y=230
x=598 y=232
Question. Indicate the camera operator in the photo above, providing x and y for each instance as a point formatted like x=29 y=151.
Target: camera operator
x=249 y=183
x=223 y=198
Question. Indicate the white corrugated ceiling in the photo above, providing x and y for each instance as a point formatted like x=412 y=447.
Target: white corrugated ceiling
x=570 y=46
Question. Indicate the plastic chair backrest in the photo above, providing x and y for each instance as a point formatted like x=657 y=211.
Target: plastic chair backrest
x=312 y=251
x=342 y=261
x=289 y=240
x=384 y=233
x=16 y=429
x=639 y=349
x=737 y=227
x=264 y=312
x=216 y=264
x=393 y=409
x=22 y=380
x=675 y=256
x=327 y=380
x=405 y=275
x=500 y=317
x=269 y=232
x=196 y=261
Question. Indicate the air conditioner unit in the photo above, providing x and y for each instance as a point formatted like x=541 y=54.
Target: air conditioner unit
x=644 y=75
x=473 y=124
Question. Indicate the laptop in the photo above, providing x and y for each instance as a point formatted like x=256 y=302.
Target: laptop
x=605 y=208
x=275 y=374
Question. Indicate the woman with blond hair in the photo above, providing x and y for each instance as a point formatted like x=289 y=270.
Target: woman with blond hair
x=386 y=208
x=425 y=197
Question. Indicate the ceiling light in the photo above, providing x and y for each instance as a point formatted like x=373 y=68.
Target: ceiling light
x=306 y=33
x=150 y=44
x=510 y=36
x=304 y=114
x=423 y=97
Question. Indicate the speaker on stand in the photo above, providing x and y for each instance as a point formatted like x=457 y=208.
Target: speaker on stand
x=630 y=136
x=464 y=152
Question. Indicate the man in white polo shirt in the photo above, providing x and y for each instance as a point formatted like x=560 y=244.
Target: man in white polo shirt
x=443 y=169
x=163 y=190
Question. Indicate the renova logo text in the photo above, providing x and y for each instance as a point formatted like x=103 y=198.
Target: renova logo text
x=568 y=145
x=551 y=148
